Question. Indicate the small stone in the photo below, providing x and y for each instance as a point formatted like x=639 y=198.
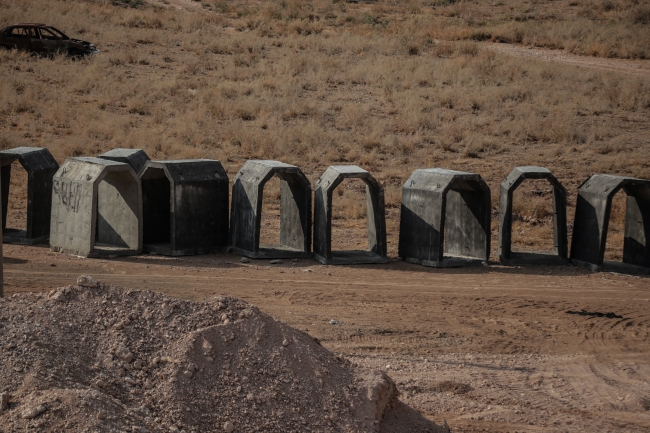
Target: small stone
x=187 y=374
x=244 y=260
x=209 y=359
x=33 y=412
x=10 y=345
x=129 y=380
x=148 y=384
x=124 y=354
x=334 y=322
x=101 y=383
x=174 y=429
x=228 y=427
x=86 y=281
x=276 y=262
x=285 y=342
x=307 y=270
x=138 y=364
x=59 y=296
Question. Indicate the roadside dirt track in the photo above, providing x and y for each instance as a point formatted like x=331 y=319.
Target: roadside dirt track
x=486 y=348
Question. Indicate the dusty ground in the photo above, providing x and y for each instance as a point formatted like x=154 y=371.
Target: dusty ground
x=487 y=348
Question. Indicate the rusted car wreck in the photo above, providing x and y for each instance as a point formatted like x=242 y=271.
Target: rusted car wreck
x=43 y=39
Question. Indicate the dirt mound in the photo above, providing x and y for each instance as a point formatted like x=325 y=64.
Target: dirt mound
x=102 y=358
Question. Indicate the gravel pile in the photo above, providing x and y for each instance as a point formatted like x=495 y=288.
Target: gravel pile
x=101 y=358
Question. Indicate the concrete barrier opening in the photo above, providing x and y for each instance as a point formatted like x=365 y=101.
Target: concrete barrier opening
x=136 y=158
x=591 y=227
x=323 y=212
x=14 y=208
x=156 y=210
x=247 y=206
x=532 y=218
x=445 y=218
x=29 y=186
x=96 y=208
x=271 y=218
x=540 y=213
x=349 y=216
x=185 y=207
x=616 y=229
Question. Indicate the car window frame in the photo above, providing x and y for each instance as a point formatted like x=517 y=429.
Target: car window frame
x=43 y=30
x=62 y=35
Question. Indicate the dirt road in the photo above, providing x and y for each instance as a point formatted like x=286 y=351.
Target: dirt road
x=487 y=348
x=635 y=67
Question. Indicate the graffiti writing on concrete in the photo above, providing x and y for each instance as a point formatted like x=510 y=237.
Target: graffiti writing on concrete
x=69 y=193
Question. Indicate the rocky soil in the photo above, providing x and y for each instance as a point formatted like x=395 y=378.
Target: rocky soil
x=100 y=358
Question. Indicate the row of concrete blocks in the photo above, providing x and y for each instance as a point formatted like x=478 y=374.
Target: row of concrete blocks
x=122 y=203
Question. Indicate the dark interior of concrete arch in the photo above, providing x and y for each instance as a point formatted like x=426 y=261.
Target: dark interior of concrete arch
x=117 y=215
x=156 y=212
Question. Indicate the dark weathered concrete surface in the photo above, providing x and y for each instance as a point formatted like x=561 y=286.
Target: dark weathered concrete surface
x=185 y=207
x=2 y=270
x=592 y=221
x=508 y=186
x=96 y=208
x=136 y=158
x=376 y=213
x=295 y=210
x=445 y=219
x=40 y=166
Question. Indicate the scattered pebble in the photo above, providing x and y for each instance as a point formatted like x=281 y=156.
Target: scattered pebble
x=33 y=412
x=86 y=281
x=276 y=262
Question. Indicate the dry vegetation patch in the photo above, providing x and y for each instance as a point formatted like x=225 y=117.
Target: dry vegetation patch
x=323 y=82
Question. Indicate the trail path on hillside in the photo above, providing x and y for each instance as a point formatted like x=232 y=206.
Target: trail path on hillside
x=635 y=67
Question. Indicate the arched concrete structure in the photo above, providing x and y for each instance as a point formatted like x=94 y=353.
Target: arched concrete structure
x=376 y=212
x=445 y=218
x=185 y=207
x=96 y=208
x=592 y=221
x=514 y=179
x=40 y=166
x=295 y=210
x=136 y=158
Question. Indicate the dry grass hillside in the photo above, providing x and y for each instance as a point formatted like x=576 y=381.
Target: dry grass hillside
x=390 y=87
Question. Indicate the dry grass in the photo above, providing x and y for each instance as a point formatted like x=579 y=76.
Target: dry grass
x=315 y=84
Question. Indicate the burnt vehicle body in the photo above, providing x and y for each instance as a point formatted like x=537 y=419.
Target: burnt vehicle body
x=43 y=39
